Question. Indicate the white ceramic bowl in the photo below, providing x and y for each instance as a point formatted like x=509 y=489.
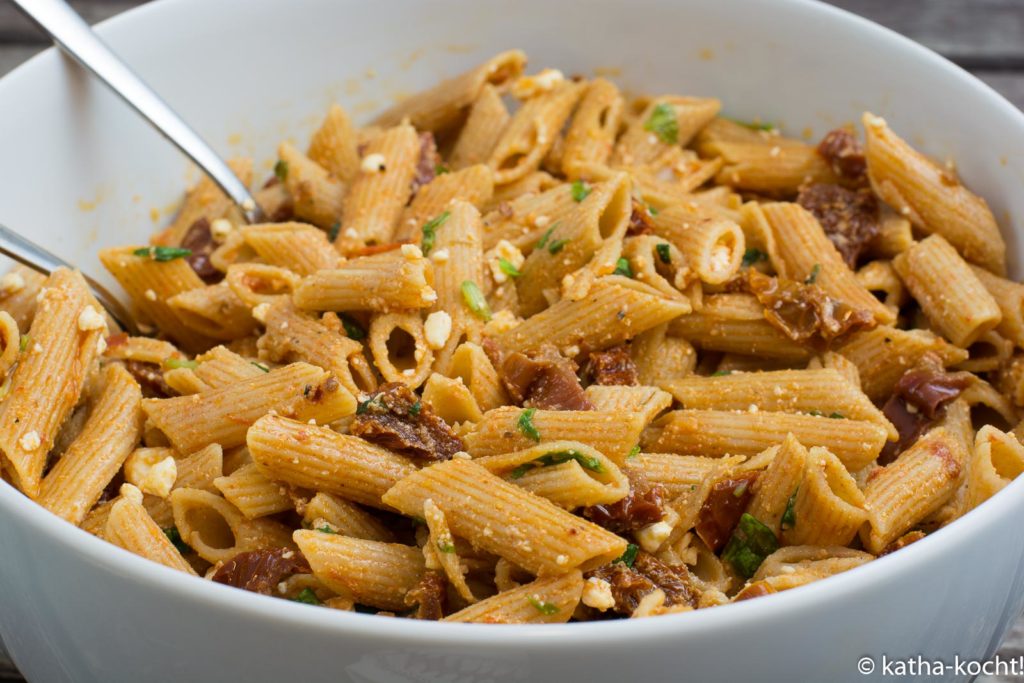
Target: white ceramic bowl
x=81 y=171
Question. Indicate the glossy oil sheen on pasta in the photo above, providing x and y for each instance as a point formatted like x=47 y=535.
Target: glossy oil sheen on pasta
x=526 y=350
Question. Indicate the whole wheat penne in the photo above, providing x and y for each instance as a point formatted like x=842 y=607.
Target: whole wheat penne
x=218 y=531
x=594 y=127
x=646 y=401
x=224 y=415
x=382 y=187
x=301 y=248
x=718 y=432
x=45 y=386
x=334 y=146
x=19 y=288
x=488 y=116
x=317 y=196
x=369 y=284
x=507 y=429
x=931 y=197
x=648 y=136
x=824 y=392
x=249 y=490
x=549 y=600
x=345 y=518
x=443 y=106
x=399 y=346
x=505 y=520
x=828 y=508
x=776 y=489
x=371 y=572
x=323 y=460
x=948 y=291
x=473 y=184
x=901 y=494
x=130 y=527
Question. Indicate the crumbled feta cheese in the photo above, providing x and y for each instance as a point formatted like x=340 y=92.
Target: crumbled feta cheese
x=373 y=163
x=131 y=493
x=504 y=250
x=531 y=86
x=562 y=560
x=30 y=441
x=152 y=473
x=409 y=372
x=411 y=252
x=42 y=294
x=91 y=319
x=260 y=312
x=462 y=455
x=874 y=121
x=652 y=536
x=101 y=345
x=541 y=221
x=351 y=233
x=502 y=321
x=150 y=295
x=11 y=283
x=440 y=256
x=248 y=204
x=38 y=348
x=597 y=593
x=428 y=294
x=437 y=329
x=720 y=257
x=775 y=151
x=220 y=229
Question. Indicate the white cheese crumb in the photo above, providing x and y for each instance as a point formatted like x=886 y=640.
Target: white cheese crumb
x=508 y=251
x=90 y=319
x=597 y=593
x=30 y=441
x=437 y=329
x=38 y=348
x=409 y=372
x=150 y=295
x=311 y=421
x=874 y=121
x=131 y=492
x=411 y=252
x=351 y=233
x=541 y=221
x=775 y=151
x=440 y=256
x=562 y=560
x=461 y=455
x=373 y=163
x=720 y=257
x=248 y=204
x=752 y=408
x=101 y=345
x=531 y=86
x=42 y=294
x=260 y=312
x=652 y=536
x=11 y=283
x=220 y=229
x=153 y=474
x=428 y=294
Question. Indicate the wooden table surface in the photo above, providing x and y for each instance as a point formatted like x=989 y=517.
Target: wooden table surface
x=986 y=37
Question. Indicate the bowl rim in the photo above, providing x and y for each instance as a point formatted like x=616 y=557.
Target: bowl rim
x=188 y=589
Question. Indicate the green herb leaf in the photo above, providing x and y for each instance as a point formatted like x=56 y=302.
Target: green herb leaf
x=557 y=458
x=441 y=169
x=623 y=268
x=430 y=231
x=633 y=452
x=445 y=547
x=580 y=190
x=652 y=210
x=281 y=170
x=752 y=256
x=364 y=406
x=326 y=530
x=506 y=267
x=261 y=366
x=307 y=597
x=23 y=343
x=629 y=557
x=415 y=408
x=543 y=607
x=789 y=515
x=813 y=277
x=526 y=424
x=175 y=538
x=353 y=330
x=557 y=246
x=750 y=544
x=836 y=416
x=664 y=253
x=174 y=363
x=475 y=300
x=163 y=253
x=753 y=125
x=545 y=237
x=721 y=373
x=332 y=234
x=663 y=123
